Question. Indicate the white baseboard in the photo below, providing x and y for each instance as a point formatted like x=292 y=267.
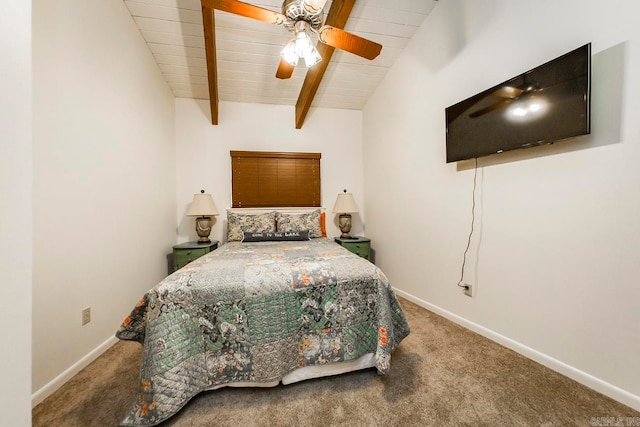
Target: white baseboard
x=584 y=378
x=58 y=381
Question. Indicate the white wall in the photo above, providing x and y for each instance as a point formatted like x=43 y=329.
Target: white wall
x=554 y=257
x=203 y=160
x=15 y=213
x=104 y=179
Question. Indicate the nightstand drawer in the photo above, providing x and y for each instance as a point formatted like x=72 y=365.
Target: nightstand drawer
x=184 y=253
x=190 y=253
x=361 y=249
x=182 y=260
x=358 y=245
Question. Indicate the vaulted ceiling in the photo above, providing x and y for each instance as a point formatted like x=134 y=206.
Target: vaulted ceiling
x=247 y=52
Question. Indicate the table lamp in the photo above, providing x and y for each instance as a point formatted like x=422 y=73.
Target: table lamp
x=345 y=206
x=203 y=208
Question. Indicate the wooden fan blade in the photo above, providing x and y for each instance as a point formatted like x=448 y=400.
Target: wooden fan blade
x=490 y=108
x=285 y=70
x=246 y=10
x=341 y=39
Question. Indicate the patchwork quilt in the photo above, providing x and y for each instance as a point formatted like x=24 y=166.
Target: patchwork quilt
x=251 y=313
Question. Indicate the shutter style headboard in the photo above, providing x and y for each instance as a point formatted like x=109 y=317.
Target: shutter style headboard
x=275 y=179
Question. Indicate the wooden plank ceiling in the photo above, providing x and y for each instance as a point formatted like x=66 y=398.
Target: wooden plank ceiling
x=248 y=52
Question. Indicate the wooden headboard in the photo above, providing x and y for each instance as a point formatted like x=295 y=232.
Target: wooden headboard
x=275 y=179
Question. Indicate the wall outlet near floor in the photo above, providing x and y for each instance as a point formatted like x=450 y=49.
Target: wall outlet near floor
x=86 y=316
x=468 y=289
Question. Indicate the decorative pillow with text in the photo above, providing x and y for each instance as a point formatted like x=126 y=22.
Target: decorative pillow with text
x=276 y=236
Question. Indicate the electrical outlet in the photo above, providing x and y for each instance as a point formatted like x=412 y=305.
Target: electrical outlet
x=86 y=316
x=468 y=290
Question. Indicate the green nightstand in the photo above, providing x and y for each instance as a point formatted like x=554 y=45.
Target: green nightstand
x=184 y=253
x=358 y=245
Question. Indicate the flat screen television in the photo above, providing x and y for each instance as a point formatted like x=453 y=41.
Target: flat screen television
x=541 y=106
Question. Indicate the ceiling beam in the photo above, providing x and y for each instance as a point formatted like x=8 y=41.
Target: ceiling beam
x=337 y=17
x=208 y=20
x=311 y=83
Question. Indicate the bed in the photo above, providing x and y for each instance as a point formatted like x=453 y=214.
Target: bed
x=267 y=307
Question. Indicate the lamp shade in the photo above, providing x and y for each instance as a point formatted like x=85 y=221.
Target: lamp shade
x=202 y=205
x=345 y=203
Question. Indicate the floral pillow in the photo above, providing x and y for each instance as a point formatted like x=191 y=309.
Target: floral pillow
x=306 y=221
x=239 y=223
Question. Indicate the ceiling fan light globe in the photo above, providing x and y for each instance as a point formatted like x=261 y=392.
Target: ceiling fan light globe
x=312 y=58
x=288 y=54
x=303 y=44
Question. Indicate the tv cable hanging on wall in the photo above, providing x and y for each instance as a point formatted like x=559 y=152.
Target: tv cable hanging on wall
x=461 y=283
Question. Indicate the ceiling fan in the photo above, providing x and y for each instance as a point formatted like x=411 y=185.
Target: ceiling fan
x=301 y=18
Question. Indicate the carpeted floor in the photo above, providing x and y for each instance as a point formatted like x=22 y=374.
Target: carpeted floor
x=441 y=375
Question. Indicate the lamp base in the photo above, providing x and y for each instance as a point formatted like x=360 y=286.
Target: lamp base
x=344 y=223
x=203 y=228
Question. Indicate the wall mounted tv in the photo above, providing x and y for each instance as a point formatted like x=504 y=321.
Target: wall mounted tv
x=541 y=106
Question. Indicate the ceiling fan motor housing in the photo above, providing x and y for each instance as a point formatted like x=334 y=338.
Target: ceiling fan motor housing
x=295 y=11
